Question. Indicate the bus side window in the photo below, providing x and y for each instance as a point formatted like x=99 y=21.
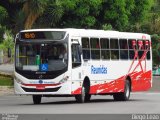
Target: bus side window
x=132 y=48
x=105 y=52
x=85 y=48
x=123 y=49
x=95 y=48
x=140 y=48
x=147 y=47
x=114 y=49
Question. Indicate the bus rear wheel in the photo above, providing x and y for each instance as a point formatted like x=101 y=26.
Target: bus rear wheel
x=83 y=97
x=37 y=99
x=123 y=96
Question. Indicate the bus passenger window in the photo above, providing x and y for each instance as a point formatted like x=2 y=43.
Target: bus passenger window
x=95 y=48
x=104 y=43
x=130 y=44
x=123 y=49
x=115 y=54
x=105 y=53
x=114 y=49
x=148 y=55
x=85 y=48
x=140 y=48
x=147 y=47
x=95 y=54
x=132 y=48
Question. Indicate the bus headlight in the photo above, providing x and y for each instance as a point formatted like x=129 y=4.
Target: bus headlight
x=64 y=79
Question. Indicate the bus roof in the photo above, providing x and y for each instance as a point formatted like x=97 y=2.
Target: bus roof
x=97 y=33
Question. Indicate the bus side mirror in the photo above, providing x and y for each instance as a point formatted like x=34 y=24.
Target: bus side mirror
x=80 y=49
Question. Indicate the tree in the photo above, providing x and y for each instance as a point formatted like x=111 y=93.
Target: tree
x=8 y=43
x=156 y=48
x=140 y=14
x=115 y=14
x=69 y=13
x=3 y=19
x=3 y=15
x=33 y=9
x=11 y=7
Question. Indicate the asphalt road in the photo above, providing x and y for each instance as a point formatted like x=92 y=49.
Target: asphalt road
x=139 y=103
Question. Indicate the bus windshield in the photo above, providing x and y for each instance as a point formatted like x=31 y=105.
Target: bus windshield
x=51 y=56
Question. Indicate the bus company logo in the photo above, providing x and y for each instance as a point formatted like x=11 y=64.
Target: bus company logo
x=40 y=81
x=98 y=70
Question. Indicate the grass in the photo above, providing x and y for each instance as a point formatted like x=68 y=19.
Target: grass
x=6 y=81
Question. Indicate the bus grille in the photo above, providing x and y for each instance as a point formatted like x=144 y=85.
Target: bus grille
x=44 y=90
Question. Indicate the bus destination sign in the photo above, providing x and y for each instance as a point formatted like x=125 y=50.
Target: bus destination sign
x=50 y=35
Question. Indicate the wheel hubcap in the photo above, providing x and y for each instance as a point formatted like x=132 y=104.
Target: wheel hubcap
x=127 y=91
x=83 y=93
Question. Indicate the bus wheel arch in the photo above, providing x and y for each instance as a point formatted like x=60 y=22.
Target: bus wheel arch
x=84 y=96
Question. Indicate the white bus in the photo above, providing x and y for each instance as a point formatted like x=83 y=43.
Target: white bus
x=81 y=63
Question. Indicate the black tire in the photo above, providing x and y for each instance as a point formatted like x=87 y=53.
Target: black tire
x=37 y=99
x=87 y=97
x=124 y=96
x=83 y=97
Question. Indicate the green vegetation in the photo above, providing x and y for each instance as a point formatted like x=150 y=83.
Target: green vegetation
x=6 y=81
x=127 y=15
x=124 y=15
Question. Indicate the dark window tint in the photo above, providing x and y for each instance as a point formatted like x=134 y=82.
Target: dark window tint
x=132 y=43
x=147 y=45
x=95 y=54
x=94 y=43
x=114 y=48
x=123 y=49
x=85 y=48
x=131 y=54
x=123 y=44
x=95 y=48
x=105 y=54
x=114 y=44
x=124 y=54
x=104 y=43
x=140 y=54
x=140 y=44
x=148 y=55
x=85 y=43
x=114 y=54
x=86 y=54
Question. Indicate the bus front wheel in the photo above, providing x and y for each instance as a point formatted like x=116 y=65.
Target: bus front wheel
x=123 y=96
x=37 y=99
x=83 y=97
